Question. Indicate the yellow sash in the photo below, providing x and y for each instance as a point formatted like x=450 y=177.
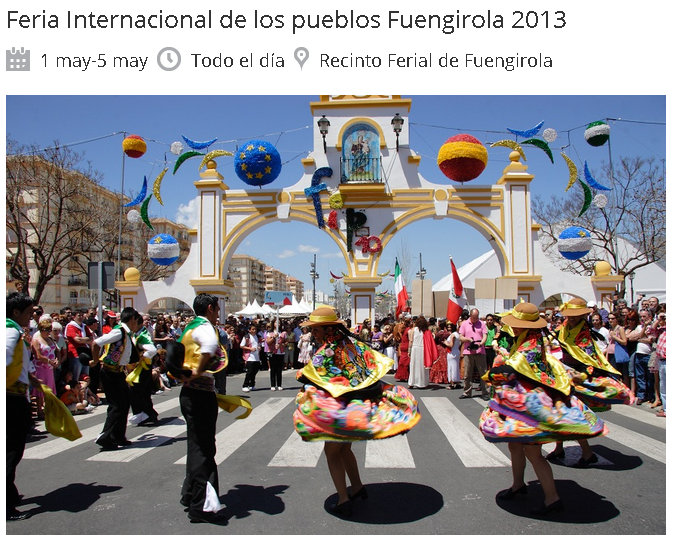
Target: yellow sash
x=134 y=376
x=518 y=362
x=232 y=402
x=567 y=340
x=58 y=419
x=16 y=365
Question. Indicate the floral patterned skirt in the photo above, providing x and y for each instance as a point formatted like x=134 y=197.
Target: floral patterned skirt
x=320 y=416
x=524 y=411
x=598 y=392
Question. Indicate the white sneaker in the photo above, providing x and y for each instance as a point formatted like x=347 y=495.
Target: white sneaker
x=245 y=389
x=273 y=389
x=279 y=388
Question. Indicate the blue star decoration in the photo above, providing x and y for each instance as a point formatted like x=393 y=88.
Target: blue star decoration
x=314 y=192
x=257 y=162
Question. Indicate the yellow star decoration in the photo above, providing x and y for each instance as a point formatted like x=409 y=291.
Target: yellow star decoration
x=249 y=175
x=244 y=167
x=267 y=169
x=249 y=147
x=582 y=234
x=259 y=175
x=242 y=156
x=267 y=157
x=156 y=240
x=261 y=148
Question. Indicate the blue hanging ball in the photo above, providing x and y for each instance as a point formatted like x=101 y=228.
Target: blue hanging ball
x=163 y=249
x=574 y=243
x=257 y=162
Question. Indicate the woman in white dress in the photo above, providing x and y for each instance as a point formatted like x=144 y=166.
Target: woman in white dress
x=418 y=373
x=453 y=357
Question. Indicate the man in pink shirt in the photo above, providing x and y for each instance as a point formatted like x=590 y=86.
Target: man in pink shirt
x=473 y=336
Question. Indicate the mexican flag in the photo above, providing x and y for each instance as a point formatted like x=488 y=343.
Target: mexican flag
x=457 y=299
x=400 y=291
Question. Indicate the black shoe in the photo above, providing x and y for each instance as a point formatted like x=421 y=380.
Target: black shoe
x=125 y=442
x=551 y=456
x=360 y=494
x=543 y=510
x=465 y=396
x=150 y=422
x=106 y=444
x=345 y=509
x=207 y=517
x=15 y=515
x=586 y=462
x=509 y=493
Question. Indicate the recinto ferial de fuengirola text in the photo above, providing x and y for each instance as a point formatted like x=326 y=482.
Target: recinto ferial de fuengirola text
x=446 y=23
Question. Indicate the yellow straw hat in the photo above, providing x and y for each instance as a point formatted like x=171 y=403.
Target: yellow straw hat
x=323 y=316
x=524 y=315
x=575 y=307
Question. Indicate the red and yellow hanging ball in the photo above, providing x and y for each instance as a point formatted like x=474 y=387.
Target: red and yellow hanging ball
x=134 y=146
x=462 y=158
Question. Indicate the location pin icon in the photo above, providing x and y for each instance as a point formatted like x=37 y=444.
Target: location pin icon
x=301 y=56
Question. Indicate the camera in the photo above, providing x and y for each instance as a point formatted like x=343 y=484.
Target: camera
x=474 y=346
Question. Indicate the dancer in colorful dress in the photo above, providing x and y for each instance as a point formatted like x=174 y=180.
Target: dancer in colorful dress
x=531 y=404
x=344 y=400
x=597 y=383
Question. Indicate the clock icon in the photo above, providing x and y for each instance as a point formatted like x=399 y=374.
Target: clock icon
x=169 y=59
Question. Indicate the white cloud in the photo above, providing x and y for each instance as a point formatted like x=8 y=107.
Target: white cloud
x=308 y=248
x=286 y=254
x=188 y=214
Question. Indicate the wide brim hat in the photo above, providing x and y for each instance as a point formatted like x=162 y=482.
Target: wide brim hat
x=323 y=316
x=575 y=307
x=524 y=315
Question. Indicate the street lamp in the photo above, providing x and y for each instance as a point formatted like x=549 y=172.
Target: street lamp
x=397 y=123
x=314 y=275
x=421 y=272
x=632 y=275
x=323 y=125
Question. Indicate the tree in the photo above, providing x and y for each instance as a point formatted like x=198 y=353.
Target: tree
x=629 y=232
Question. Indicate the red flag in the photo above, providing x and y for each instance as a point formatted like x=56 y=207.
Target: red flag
x=457 y=299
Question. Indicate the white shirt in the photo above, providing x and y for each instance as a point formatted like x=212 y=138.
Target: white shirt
x=251 y=340
x=115 y=336
x=606 y=338
x=642 y=348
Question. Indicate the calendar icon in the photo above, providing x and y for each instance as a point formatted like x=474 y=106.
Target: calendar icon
x=18 y=60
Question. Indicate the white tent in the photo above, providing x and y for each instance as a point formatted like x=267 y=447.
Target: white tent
x=295 y=309
x=245 y=311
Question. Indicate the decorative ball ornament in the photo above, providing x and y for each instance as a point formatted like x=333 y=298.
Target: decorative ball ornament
x=177 y=147
x=600 y=200
x=574 y=243
x=163 y=249
x=597 y=133
x=134 y=146
x=257 y=162
x=549 y=135
x=133 y=216
x=462 y=158
x=602 y=269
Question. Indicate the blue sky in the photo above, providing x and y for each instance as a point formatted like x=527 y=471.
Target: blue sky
x=286 y=122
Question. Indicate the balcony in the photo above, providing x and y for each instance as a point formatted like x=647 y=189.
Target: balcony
x=361 y=170
x=77 y=281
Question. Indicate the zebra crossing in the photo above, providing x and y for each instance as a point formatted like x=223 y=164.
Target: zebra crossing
x=458 y=429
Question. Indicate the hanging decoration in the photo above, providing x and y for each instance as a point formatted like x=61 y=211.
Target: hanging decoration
x=336 y=201
x=144 y=208
x=597 y=133
x=332 y=223
x=156 y=189
x=591 y=181
x=574 y=243
x=133 y=216
x=510 y=144
x=369 y=243
x=314 y=190
x=572 y=171
x=177 y=147
x=211 y=155
x=336 y=276
x=140 y=197
x=540 y=145
x=163 y=249
x=198 y=145
x=462 y=158
x=354 y=221
x=385 y=274
x=134 y=146
x=527 y=133
x=549 y=135
x=185 y=156
x=257 y=162
x=588 y=196
x=600 y=201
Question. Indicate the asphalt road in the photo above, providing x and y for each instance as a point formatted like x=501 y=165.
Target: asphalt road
x=439 y=479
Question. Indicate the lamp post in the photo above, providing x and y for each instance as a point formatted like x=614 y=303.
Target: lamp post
x=421 y=275
x=397 y=123
x=314 y=275
x=632 y=275
x=323 y=125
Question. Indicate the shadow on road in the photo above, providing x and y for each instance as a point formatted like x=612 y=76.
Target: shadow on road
x=393 y=502
x=581 y=505
x=243 y=499
x=74 y=497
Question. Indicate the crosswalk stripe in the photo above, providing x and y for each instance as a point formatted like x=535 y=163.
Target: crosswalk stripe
x=463 y=436
x=54 y=445
x=297 y=453
x=639 y=442
x=391 y=453
x=235 y=435
x=640 y=415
